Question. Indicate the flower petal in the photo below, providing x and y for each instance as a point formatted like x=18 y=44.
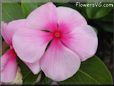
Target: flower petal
x=83 y=41
x=4 y=33
x=69 y=18
x=59 y=63
x=34 y=67
x=43 y=17
x=30 y=44
x=9 y=66
x=5 y=58
x=9 y=29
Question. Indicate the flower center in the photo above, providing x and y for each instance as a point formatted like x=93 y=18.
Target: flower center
x=57 y=34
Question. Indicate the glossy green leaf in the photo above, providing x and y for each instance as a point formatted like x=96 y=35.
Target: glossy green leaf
x=60 y=1
x=45 y=1
x=36 y=1
x=93 y=71
x=28 y=7
x=11 y=11
x=46 y=81
x=98 y=11
x=28 y=76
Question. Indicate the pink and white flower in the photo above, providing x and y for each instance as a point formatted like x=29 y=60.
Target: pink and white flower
x=54 y=40
x=8 y=64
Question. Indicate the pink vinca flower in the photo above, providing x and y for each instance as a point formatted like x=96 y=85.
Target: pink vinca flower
x=56 y=39
x=8 y=64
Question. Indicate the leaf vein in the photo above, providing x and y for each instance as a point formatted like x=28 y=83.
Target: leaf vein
x=88 y=75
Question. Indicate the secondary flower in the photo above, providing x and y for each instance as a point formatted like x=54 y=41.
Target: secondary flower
x=57 y=39
x=8 y=64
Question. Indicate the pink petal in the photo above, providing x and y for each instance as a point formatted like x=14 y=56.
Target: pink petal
x=30 y=44
x=83 y=41
x=10 y=29
x=34 y=67
x=4 y=33
x=43 y=17
x=59 y=63
x=69 y=18
x=9 y=66
x=5 y=58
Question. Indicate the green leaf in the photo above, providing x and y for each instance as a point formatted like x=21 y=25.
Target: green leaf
x=45 y=1
x=28 y=7
x=60 y=1
x=93 y=71
x=36 y=1
x=11 y=11
x=46 y=81
x=28 y=76
x=97 y=12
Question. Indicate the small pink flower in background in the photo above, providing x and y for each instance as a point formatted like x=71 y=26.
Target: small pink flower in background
x=8 y=63
x=56 y=39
